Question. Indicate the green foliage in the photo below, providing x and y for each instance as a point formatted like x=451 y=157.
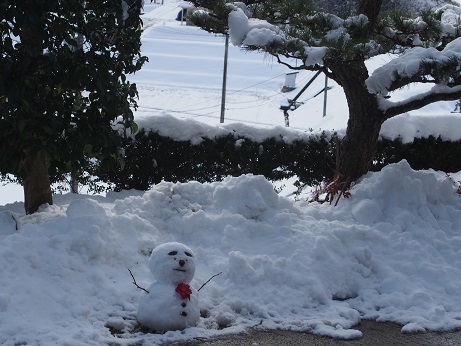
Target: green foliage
x=63 y=85
x=151 y=158
x=281 y=12
x=216 y=21
x=423 y=153
x=349 y=30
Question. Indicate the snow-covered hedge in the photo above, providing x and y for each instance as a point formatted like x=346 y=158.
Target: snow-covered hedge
x=423 y=153
x=151 y=157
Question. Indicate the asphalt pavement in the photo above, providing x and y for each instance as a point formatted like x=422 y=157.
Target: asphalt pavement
x=374 y=334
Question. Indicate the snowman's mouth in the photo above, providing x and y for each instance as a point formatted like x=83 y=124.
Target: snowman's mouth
x=180 y=270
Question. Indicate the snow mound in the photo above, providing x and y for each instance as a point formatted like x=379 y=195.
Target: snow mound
x=406 y=231
x=84 y=208
x=8 y=223
x=390 y=252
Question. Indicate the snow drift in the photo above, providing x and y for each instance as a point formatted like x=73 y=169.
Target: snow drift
x=391 y=252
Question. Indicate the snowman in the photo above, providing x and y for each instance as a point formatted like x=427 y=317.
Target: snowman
x=171 y=303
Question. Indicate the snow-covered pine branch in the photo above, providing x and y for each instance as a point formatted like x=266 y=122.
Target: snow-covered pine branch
x=415 y=65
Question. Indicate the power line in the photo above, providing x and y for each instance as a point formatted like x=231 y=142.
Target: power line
x=251 y=86
x=170 y=30
x=188 y=110
x=231 y=93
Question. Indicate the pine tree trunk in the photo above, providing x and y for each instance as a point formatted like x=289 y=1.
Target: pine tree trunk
x=357 y=149
x=37 y=187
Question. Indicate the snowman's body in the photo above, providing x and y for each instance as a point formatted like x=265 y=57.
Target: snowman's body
x=171 y=303
x=163 y=309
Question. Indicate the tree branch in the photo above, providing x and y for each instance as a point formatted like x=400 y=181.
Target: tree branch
x=134 y=282
x=291 y=67
x=419 y=101
x=403 y=82
x=208 y=281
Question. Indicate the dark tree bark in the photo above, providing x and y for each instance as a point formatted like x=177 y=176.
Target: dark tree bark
x=358 y=148
x=35 y=162
x=370 y=8
x=36 y=181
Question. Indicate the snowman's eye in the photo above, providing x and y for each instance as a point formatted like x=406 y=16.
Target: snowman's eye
x=188 y=254
x=173 y=253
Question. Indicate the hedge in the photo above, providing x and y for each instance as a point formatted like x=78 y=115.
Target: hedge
x=422 y=153
x=151 y=158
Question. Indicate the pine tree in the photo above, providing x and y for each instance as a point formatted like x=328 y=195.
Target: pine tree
x=340 y=44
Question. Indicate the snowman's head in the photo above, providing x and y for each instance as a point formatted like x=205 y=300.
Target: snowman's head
x=172 y=263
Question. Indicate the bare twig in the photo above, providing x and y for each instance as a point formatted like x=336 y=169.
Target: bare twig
x=208 y=281
x=16 y=221
x=343 y=189
x=134 y=282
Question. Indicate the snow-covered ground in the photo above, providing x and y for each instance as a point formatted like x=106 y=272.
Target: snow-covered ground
x=391 y=252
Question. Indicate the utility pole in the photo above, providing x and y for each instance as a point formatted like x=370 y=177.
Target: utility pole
x=325 y=97
x=224 y=78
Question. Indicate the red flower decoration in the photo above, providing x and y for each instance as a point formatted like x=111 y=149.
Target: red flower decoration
x=184 y=290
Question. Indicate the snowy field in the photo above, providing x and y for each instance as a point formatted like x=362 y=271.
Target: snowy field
x=391 y=252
